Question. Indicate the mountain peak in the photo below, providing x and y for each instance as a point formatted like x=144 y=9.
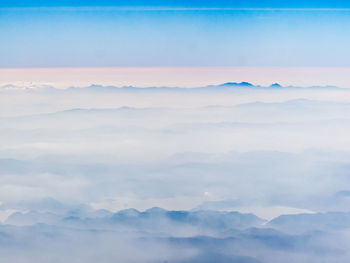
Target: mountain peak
x=275 y=85
x=243 y=83
x=155 y=210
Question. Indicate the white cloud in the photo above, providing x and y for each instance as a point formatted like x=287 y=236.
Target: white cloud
x=269 y=151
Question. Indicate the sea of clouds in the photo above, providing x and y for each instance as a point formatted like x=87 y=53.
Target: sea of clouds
x=227 y=173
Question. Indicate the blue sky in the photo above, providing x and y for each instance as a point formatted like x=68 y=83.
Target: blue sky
x=174 y=33
x=182 y=3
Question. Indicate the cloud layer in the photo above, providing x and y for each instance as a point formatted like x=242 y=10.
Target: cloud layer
x=75 y=164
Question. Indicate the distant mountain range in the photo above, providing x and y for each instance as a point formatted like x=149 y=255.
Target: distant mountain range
x=215 y=236
x=95 y=87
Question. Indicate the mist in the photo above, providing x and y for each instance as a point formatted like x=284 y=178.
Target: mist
x=228 y=173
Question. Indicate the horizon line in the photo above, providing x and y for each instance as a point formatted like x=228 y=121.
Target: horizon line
x=166 y=67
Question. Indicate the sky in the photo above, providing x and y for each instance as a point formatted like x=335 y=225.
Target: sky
x=174 y=33
x=188 y=77
x=183 y=3
x=149 y=131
